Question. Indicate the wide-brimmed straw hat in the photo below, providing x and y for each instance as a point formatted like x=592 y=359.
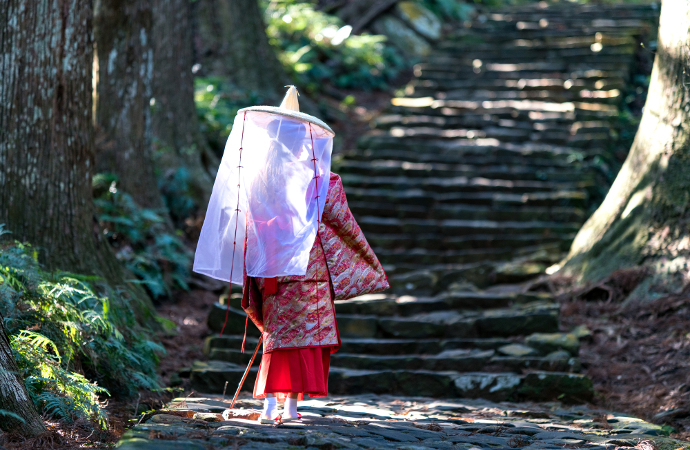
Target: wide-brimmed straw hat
x=290 y=107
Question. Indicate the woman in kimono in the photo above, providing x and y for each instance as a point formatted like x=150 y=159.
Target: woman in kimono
x=296 y=314
x=302 y=247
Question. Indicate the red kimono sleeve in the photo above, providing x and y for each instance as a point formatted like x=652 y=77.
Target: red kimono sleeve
x=353 y=266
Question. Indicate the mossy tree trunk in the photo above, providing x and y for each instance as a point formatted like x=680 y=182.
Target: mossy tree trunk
x=233 y=44
x=645 y=218
x=178 y=141
x=13 y=395
x=46 y=140
x=124 y=63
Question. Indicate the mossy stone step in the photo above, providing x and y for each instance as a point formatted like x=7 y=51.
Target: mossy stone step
x=211 y=377
x=459 y=360
x=461 y=184
x=387 y=305
x=528 y=69
x=518 y=364
x=522 y=82
x=583 y=44
x=370 y=346
x=499 y=108
x=235 y=323
x=489 y=150
x=610 y=96
x=417 y=346
x=503 y=134
x=530 y=28
x=476 y=121
x=607 y=54
x=452 y=324
x=398 y=168
x=572 y=198
x=422 y=256
x=465 y=242
x=466 y=212
x=456 y=360
x=232 y=355
x=411 y=279
x=463 y=227
x=539 y=385
x=566 y=160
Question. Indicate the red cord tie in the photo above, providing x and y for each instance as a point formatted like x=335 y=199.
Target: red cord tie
x=234 y=242
x=318 y=210
x=246 y=321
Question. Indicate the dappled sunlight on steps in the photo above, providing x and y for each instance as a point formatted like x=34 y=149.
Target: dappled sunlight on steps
x=471 y=184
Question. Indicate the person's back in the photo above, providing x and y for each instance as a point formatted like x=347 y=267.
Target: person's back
x=296 y=314
x=278 y=224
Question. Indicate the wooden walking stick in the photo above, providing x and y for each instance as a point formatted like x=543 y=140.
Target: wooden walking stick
x=246 y=372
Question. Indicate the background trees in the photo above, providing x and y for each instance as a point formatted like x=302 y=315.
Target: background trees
x=123 y=78
x=234 y=45
x=46 y=137
x=46 y=170
x=178 y=141
x=644 y=220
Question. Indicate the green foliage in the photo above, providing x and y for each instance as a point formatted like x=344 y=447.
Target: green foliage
x=59 y=393
x=64 y=339
x=305 y=40
x=317 y=48
x=10 y=414
x=453 y=9
x=217 y=103
x=141 y=238
x=177 y=194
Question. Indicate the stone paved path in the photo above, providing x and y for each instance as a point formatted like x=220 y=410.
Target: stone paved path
x=387 y=422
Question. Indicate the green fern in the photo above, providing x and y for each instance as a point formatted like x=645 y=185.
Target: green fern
x=61 y=394
x=10 y=414
x=65 y=341
x=142 y=240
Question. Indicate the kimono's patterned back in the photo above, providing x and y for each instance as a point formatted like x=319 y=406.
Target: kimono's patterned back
x=301 y=313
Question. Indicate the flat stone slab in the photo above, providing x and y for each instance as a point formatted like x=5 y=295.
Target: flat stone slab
x=519 y=319
x=391 y=422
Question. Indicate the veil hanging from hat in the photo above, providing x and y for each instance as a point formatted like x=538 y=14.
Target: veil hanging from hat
x=269 y=193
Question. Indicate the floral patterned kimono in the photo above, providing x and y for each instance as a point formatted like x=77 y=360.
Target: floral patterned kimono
x=296 y=313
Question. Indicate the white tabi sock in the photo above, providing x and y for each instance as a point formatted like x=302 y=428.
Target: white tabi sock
x=290 y=408
x=270 y=407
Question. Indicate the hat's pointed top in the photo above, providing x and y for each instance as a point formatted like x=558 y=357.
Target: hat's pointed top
x=290 y=108
x=290 y=101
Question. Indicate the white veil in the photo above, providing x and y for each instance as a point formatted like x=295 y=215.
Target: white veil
x=267 y=185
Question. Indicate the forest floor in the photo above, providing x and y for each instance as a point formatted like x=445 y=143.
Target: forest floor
x=638 y=356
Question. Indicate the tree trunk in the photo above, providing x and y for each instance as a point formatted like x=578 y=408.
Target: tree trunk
x=644 y=220
x=232 y=36
x=124 y=63
x=178 y=141
x=13 y=395
x=46 y=139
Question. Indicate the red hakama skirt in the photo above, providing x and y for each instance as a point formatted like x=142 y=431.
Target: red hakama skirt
x=300 y=370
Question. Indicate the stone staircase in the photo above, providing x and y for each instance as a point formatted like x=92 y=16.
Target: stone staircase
x=474 y=182
x=502 y=145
